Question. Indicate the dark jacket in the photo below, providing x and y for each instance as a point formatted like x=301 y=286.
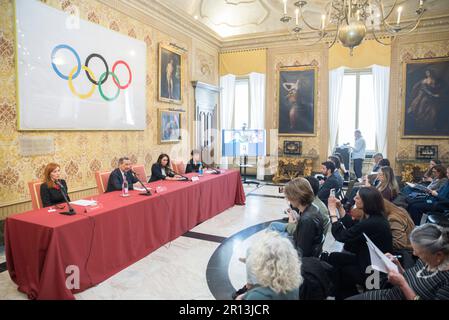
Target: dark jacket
x=351 y=232
x=330 y=183
x=191 y=167
x=156 y=173
x=52 y=196
x=309 y=232
x=116 y=180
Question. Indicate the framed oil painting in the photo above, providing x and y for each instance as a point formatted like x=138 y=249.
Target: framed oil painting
x=425 y=106
x=170 y=74
x=297 y=101
x=169 y=126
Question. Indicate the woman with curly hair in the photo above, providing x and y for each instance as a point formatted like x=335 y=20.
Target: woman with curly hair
x=275 y=265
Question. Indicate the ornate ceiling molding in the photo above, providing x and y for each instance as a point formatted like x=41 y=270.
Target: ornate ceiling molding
x=156 y=13
x=208 y=9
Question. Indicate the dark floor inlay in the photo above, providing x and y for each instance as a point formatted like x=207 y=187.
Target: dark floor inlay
x=3 y=267
x=264 y=196
x=204 y=236
x=217 y=269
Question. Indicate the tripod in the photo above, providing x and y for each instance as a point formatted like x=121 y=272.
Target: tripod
x=243 y=168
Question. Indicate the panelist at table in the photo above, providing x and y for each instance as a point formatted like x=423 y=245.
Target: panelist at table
x=117 y=176
x=194 y=164
x=51 y=193
x=161 y=170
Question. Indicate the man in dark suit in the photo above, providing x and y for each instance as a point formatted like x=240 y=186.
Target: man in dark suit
x=117 y=176
x=331 y=182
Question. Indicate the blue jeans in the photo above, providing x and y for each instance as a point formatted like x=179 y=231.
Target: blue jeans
x=280 y=227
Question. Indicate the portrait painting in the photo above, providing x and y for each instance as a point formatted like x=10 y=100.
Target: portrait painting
x=426 y=99
x=170 y=74
x=169 y=126
x=297 y=100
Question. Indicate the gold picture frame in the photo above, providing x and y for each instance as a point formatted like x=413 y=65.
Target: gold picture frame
x=169 y=126
x=171 y=74
x=425 y=87
x=297 y=100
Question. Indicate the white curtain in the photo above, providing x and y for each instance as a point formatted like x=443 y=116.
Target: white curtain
x=227 y=85
x=335 y=91
x=257 y=100
x=381 y=84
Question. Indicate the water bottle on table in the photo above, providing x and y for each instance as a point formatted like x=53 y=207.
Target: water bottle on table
x=200 y=169
x=125 y=188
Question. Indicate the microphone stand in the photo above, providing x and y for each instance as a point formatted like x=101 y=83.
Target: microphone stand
x=71 y=211
x=184 y=177
x=215 y=171
x=148 y=192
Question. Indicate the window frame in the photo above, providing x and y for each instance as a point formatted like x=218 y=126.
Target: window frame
x=242 y=79
x=358 y=72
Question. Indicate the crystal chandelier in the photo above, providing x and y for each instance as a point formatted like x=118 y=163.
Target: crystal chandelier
x=350 y=20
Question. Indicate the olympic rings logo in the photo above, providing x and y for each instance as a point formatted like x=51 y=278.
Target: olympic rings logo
x=74 y=73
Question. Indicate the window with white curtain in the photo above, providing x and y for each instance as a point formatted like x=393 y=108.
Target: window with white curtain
x=241 y=103
x=356 y=109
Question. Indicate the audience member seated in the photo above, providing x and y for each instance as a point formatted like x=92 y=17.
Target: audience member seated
x=331 y=182
x=401 y=226
x=287 y=229
x=418 y=206
x=308 y=235
x=427 y=178
x=274 y=267
x=51 y=193
x=337 y=164
x=350 y=265
x=161 y=170
x=343 y=171
x=429 y=278
x=377 y=157
x=118 y=175
x=194 y=164
x=388 y=185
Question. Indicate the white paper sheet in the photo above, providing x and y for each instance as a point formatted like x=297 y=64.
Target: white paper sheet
x=84 y=203
x=379 y=260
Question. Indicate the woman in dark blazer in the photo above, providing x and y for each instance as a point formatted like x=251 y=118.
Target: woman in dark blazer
x=51 y=191
x=194 y=163
x=161 y=170
x=351 y=264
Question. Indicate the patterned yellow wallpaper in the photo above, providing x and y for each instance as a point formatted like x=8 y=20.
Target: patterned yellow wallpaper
x=80 y=154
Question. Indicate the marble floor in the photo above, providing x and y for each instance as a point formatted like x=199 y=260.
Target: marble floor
x=202 y=264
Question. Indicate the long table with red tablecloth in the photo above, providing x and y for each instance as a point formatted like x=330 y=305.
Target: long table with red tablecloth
x=45 y=250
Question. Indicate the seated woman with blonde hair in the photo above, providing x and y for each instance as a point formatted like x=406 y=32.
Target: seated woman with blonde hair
x=275 y=265
x=51 y=190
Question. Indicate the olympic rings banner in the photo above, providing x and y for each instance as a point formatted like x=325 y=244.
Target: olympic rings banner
x=77 y=78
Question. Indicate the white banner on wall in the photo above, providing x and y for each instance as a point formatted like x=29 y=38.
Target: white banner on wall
x=77 y=76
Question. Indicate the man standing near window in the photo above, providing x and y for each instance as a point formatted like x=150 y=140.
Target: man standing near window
x=358 y=153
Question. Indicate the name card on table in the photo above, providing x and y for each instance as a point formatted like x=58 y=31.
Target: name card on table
x=195 y=179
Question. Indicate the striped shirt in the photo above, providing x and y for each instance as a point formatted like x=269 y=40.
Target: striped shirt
x=428 y=285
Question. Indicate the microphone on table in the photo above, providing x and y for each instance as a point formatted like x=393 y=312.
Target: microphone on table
x=214 y=170
x=175 y=173
x=147 y=192
x=71 y=211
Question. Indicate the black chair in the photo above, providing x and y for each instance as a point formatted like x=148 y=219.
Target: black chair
x=439 y=213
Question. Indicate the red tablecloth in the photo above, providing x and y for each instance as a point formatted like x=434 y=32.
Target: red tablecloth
x=40 y=246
